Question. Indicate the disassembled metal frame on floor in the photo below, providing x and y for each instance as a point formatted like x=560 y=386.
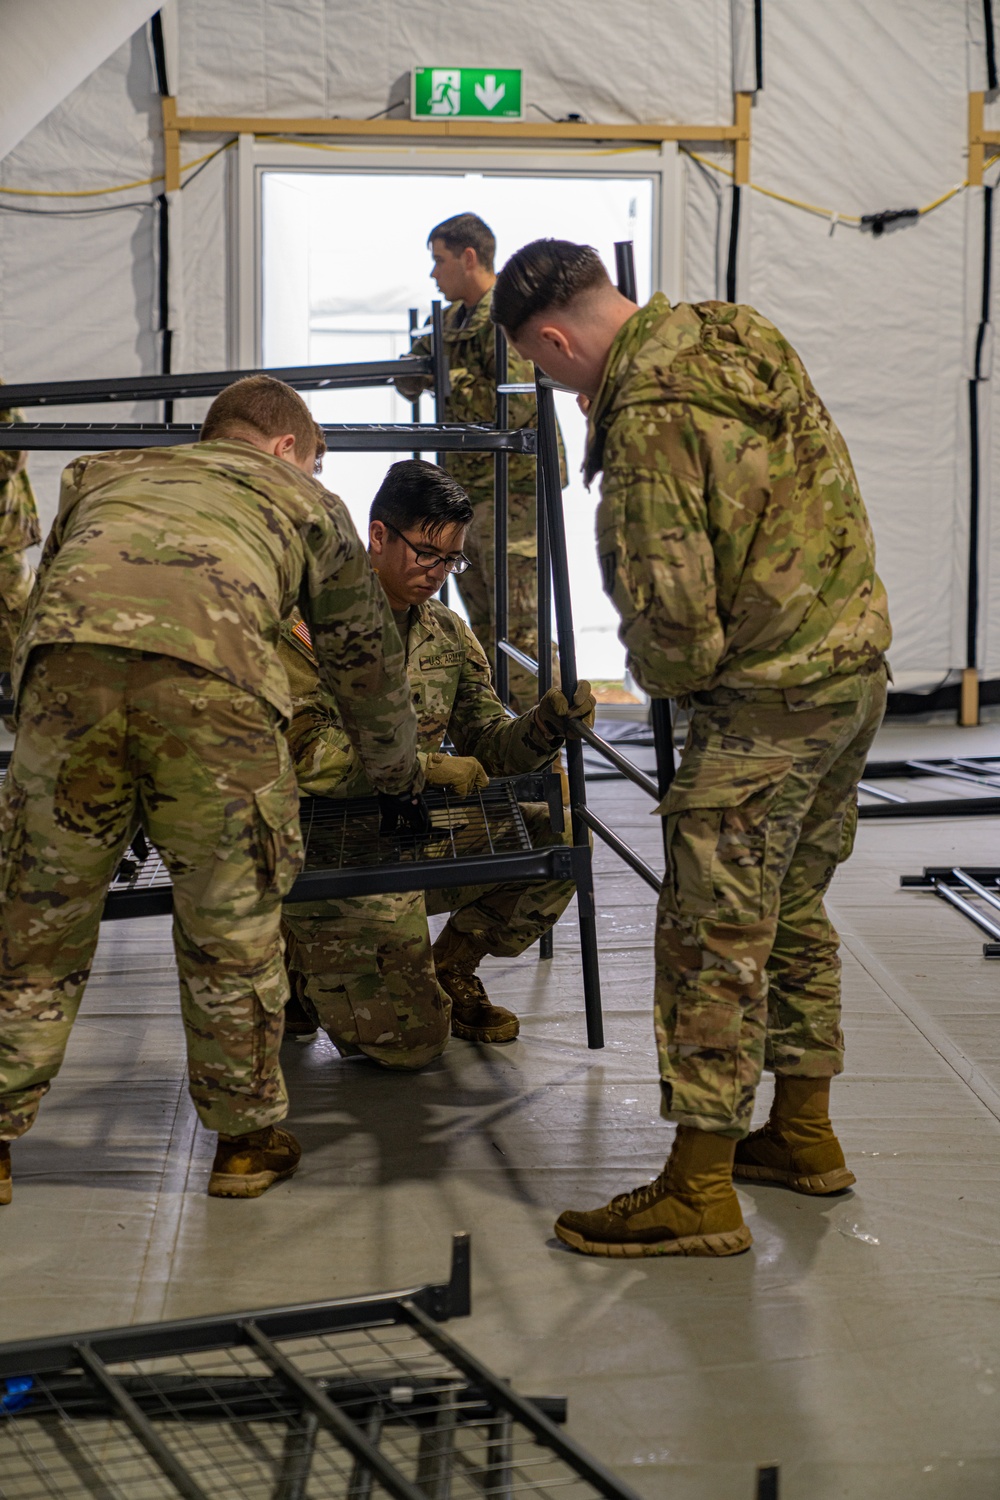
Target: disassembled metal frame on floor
x=982 y=771
x=331 y=1400
x=982 y=881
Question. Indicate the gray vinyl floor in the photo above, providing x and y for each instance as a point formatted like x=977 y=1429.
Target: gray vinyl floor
x=857 y=1344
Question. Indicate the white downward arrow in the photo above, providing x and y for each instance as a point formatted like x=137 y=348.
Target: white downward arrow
x=488 y=94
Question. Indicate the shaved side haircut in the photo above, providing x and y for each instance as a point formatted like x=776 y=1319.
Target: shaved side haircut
x=416 y=493
x=467 y=232
x=260 y=406
x=543 y=275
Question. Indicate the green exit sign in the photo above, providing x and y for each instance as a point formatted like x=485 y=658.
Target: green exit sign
x=466 y=94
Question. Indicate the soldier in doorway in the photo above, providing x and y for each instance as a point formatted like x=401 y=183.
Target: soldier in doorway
x=462 y=249
x=735 y=546
x=365 y=965
x=18 y=531
x=150 y=694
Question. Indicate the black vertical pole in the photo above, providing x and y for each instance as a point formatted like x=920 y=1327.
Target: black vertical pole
x=550 y=498
x=163 y=224
x=501 y=471
x=415 y=403
x=544 y=591
x=442 y=390
x=625 y=269
x=660 y=709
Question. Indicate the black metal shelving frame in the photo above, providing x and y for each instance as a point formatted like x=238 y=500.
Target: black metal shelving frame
x=128 y=895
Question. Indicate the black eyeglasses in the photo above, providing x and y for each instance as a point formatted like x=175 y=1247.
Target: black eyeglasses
x=455 y=562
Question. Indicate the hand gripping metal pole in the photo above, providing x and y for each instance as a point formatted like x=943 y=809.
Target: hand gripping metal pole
x=550 y=507
x=501 y=474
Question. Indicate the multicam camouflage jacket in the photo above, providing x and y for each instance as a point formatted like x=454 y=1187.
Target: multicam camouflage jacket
x=732 y=536
x=452 y=695
x=200 y=552
x=18 y=512
x=471 y=350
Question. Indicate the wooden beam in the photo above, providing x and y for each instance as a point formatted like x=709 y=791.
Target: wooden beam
x=968 y=713
x=517 y=130
x=742 y=104
x=171 y=145
x=974 y=174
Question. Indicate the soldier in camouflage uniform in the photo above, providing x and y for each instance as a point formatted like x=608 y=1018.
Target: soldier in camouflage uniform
x=735 y=545
x=18 y=531
x=463 y=248
x=365 y=965
x=150 y=694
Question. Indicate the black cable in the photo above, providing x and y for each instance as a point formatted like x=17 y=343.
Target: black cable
x=734 y=242
x=208 y=161
x=159 y=55
x=758 y=41
x=991 y=48
x=67 y=213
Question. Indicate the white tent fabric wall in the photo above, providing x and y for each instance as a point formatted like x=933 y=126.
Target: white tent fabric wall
x=863 y=109
x=78 y=290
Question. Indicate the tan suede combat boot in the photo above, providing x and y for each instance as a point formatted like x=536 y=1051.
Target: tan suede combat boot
x=247 y=1165
x=6 y=1185
x=797 y=1146
x=474 y=1017
x=690 y=1209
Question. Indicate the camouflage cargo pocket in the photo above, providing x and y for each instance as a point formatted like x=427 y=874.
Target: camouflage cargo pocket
x=718 y=813
x=12 y=799
x=849 y=831
x=279 y=832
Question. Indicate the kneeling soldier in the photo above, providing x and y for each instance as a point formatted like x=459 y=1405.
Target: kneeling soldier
x=150 y=694
x=365 y=965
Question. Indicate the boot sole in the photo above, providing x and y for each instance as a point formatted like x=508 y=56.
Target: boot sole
x=733 y=1242
x=234 y=1185
x=817 y=1186
x=492 y=1034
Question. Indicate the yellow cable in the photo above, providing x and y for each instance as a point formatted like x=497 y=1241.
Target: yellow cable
x=121 y=187
x=815 y=208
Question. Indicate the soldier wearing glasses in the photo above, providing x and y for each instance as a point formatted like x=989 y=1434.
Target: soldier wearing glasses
x=365 y=965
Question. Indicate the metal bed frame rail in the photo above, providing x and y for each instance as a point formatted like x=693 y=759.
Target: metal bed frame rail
x=982 y=881
x=981 y=771
x=331 y=1399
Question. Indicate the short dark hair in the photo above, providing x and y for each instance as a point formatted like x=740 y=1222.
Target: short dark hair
x=543 y=275
x=260 y=406
x=416 y=493
x=467 y=232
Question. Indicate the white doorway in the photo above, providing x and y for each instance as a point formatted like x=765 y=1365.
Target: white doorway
x=343 y=259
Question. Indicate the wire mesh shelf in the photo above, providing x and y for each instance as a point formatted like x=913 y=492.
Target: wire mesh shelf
x=346 y=1400
x=477 y=839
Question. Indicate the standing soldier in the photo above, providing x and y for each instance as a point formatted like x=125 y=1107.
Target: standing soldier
x=18 y=531
x=150 y=694
x=736 y=548
x=365 y=964
x=463 y=248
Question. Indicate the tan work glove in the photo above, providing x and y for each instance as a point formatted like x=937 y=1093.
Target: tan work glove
x=558 y=718
x=462 y=773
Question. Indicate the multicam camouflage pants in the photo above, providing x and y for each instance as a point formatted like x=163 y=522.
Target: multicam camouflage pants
x=476 y=586
x=109 y=741
x=16 y=579
x=365 y=966
x=761 y=812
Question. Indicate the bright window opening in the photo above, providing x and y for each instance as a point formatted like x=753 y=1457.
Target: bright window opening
x=345 y=259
